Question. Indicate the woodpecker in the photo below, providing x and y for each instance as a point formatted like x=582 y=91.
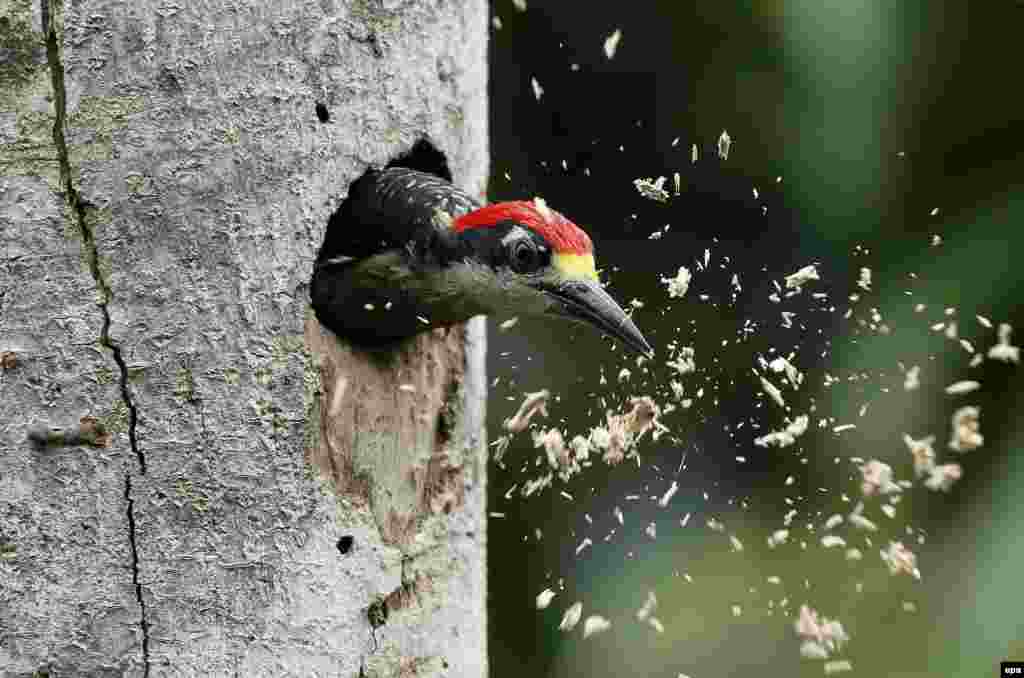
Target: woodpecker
x=408 y=251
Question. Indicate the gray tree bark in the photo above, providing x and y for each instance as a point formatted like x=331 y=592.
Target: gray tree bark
x=196 y=479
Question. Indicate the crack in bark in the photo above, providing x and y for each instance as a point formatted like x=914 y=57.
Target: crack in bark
x=143 y=622
x=79 y=207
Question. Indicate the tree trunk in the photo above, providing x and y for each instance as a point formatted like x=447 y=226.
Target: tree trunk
x=196 y=479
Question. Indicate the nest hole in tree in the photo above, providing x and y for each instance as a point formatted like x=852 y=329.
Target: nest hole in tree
x=345 y=240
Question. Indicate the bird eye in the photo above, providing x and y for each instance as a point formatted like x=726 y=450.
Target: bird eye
x=523 y=256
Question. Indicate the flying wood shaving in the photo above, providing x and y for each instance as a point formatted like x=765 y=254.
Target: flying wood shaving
x=595 y=624
x=685 y=362
x=786 y=437
x=831 y=540
x=800 y=278
x=724 y=144
x=600 y=438
x=1004 y=351
x=580 y=448
x=625 y=429
x=544 y=599
x=941 y=478
x=678 y=285
x=611 y=43
x=777 y=538
x=643 y=417
x=538 y=91
x=571 y=617
x=667 y=497
x=962 y=387
x=508 y=324
x=652 y=189
x=922 y=452
x=913 y=379
x=501 y=446
x=532 y=404
x=821 y=637
x=442 y=219
x=648 y=607
x=772 y=391
x=615 y=450
x=779 y=365
x=877 y=479
x=900 y=560
x=541 y=206
x=812 y=650
x=531 y=486
x=837 y=666
x=966 y=434
x=865 y=279
x=560 y=457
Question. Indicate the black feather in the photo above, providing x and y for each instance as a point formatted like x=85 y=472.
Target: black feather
x=391 y=210
x=395 y=208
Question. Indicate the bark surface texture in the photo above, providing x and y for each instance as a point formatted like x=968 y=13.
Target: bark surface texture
x=196 y=479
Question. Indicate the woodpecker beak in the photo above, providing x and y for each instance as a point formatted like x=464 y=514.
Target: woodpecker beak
x=584 y=300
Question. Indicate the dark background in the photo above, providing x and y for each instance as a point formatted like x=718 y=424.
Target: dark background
x=872 y=113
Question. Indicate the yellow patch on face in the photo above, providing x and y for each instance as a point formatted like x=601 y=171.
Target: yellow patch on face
x=575 y=266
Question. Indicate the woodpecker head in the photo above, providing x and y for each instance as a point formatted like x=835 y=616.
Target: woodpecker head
x=529 y=259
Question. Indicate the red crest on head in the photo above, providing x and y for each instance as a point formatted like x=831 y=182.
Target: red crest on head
x=564 y=236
